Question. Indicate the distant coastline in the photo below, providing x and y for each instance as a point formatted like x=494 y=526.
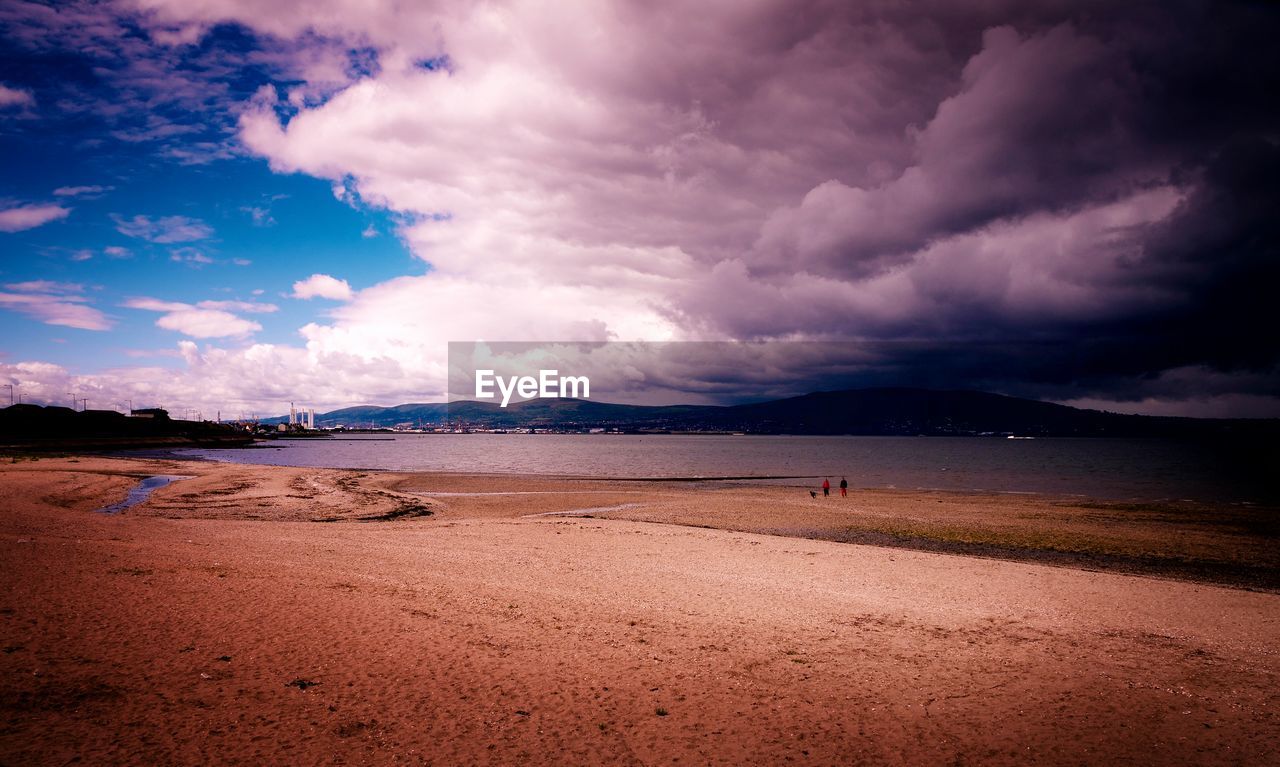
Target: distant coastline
x=859 y=412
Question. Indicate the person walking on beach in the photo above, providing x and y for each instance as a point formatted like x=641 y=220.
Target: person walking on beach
x=826 y=487
x=844 y=488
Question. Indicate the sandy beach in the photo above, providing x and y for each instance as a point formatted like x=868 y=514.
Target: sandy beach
x=255 y=615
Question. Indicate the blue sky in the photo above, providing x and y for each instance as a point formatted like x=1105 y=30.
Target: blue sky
x=266 y=231
x=253 y=232
x=231 y=205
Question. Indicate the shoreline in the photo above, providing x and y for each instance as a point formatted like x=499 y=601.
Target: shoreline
x=1055 y=538
x=218 y=617
x=1120 y=469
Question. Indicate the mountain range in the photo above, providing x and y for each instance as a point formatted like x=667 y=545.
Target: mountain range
x=878 y=411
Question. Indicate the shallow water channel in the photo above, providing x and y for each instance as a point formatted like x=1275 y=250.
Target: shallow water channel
x=142 y=491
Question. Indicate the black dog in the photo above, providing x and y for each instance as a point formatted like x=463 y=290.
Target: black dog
x=813 y=494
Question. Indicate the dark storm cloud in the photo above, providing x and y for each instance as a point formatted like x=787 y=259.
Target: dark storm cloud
x=1220 y=252
x=1040 y=124
x=1060 y=130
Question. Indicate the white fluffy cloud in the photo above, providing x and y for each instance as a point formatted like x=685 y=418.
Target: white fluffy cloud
x=239 y=306
x=163 y=229
x=189 y=256
x=207 y=323
x=81 y=191
x=208 y=319
x=15 y=97
x=231 y=381
x=46 y=286
x=22 y=217
x=322 y=286
x=54 y=303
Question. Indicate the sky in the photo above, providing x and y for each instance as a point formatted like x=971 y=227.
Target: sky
x=223 y=206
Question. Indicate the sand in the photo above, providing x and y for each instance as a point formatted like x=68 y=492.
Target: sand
x=260 y=615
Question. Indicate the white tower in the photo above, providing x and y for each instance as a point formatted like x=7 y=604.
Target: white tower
x=293 y=415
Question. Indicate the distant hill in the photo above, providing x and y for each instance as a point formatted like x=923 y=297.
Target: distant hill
x=880 y=411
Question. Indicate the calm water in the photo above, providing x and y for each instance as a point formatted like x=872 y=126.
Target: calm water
x=1113 y=469
x=142 y=491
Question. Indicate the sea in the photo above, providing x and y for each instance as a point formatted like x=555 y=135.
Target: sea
x=1111 y=469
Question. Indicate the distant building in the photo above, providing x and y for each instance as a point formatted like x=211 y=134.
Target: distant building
x=159 y=414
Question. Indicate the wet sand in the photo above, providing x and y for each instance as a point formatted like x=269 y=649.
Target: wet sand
x=268 y=615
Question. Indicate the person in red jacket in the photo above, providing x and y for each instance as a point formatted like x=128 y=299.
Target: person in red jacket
x=826 y=487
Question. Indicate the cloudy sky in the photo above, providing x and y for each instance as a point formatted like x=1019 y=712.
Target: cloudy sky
x=227 y=205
